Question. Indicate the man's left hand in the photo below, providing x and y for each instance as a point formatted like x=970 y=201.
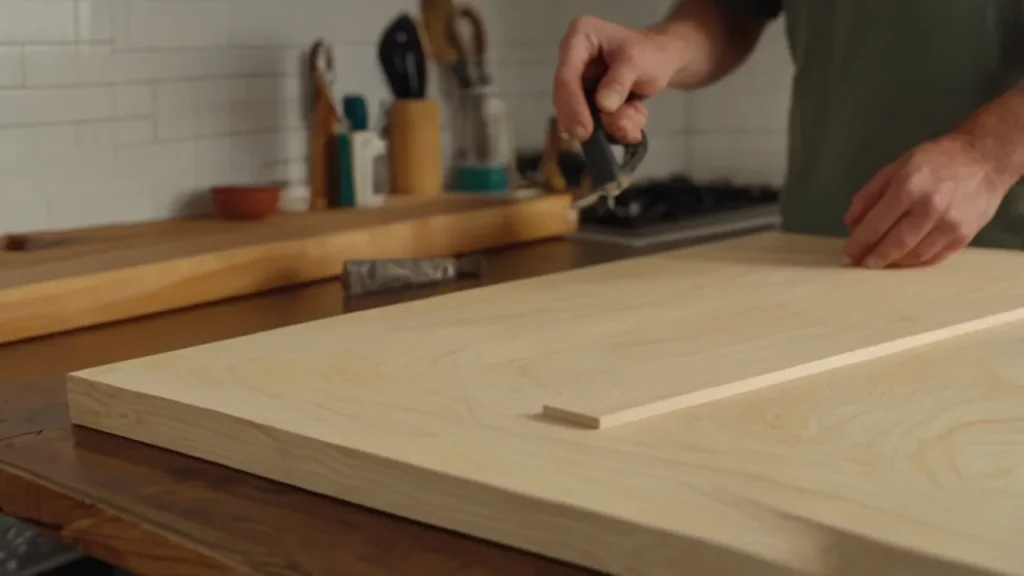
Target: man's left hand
x=924 y=207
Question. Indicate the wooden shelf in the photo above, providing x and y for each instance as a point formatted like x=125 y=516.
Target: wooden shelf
x=95 y=276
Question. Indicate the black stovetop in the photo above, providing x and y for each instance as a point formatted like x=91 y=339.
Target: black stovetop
x=675 y=199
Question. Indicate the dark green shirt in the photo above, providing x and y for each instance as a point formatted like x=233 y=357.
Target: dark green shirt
x=874 y=78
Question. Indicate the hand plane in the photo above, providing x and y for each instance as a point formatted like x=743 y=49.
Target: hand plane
x=608 y=176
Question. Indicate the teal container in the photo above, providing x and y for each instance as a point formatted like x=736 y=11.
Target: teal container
x=481 y=178
x=343 y=195
x=354 y=109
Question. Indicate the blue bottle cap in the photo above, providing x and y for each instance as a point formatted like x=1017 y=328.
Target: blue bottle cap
x=354 y=109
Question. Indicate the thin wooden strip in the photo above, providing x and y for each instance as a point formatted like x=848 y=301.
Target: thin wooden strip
x=688 y=400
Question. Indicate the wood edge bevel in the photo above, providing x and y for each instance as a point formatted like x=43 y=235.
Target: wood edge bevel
x=785 y=375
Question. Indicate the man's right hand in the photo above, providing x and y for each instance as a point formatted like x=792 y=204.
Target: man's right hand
x=632 y=61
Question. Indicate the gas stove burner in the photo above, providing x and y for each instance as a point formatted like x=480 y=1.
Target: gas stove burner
x=674 y=199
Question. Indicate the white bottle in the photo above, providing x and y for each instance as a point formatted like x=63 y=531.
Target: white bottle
x=366 y=148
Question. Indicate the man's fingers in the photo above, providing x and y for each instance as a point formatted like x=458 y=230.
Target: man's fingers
x=879 y=219
x=947 y=251
x=868 y=196
x=927 y=250
x=627 y=123
x=614 y=89
x=904 y=235
x=955 y=241
x=578 y=47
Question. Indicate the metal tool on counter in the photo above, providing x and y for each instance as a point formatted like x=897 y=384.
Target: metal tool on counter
x=402 y=57
x=370 y=276
x=608 y=177
x=325 y=123
x=484 y=147
x=470 y=66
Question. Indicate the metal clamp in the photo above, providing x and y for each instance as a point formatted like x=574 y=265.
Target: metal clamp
x=609 y=176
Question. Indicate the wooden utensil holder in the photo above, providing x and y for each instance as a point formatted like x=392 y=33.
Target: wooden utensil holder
x=415 y=167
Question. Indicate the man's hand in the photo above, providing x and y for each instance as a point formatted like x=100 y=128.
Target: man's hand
x=699 y=42
x=633 y=61
x=925 y=206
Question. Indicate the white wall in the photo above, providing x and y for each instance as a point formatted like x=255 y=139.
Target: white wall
x=124 y=110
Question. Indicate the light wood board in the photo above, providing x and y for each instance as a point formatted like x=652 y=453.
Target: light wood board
x=697 y=325
x=119 y=272
x=911 y=463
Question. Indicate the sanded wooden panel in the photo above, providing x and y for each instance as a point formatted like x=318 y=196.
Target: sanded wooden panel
x=910 y=464
x=707 y=323
x=632 y=339
x=118 y=272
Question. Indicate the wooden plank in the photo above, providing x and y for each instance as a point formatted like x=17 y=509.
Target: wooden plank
x=729 y=324
x=119 y=272
x=605 y=418
x=429 y=410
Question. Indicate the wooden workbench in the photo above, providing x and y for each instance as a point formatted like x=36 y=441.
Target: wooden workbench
x=157 y=513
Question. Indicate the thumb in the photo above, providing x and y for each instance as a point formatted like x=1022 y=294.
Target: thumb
x=618 y=81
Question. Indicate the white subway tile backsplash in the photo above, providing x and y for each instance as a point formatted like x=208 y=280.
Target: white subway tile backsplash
x=666 y=113
x=79 y=192
x=54 y=105
x=22 y=205
x=24 y=145
x=272 y=22
x=134 y=100
x=121 y=110
x=12 y=72
x=95 y=137
x=68 y=65
x=174 y=125
x=667 y=155
x=95 y=20
x=37 y=21
x=530 y=118
x=164 y=174
x=134 y=131
x=711 y=156
x=514 y=22
x=120 y=22
x=177 y=23
x=740 y=156
x=204 y=63
x=50 y=65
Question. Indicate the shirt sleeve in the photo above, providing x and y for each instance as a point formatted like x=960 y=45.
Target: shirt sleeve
x=764 y=9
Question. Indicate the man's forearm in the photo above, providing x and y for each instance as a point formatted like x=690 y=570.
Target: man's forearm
x=996 y=133
x=713 y=39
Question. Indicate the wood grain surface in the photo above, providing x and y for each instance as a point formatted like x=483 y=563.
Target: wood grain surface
x=120 y=272
x=158 y=513
x=912 y=463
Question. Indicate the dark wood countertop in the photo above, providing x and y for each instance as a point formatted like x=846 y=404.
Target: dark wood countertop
x=151 y=511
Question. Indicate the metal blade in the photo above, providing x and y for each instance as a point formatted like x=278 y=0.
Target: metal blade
x=607 y=193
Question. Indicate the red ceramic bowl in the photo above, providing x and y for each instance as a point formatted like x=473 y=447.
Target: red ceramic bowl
x=245 y=202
